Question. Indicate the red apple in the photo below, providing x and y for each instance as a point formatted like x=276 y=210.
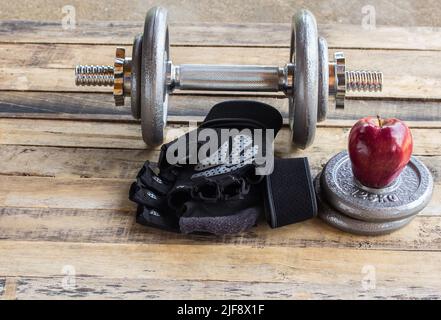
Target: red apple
x=379 y=150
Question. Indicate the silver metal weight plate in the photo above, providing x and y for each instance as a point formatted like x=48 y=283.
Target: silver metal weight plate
x=304 y=102
x=323 y=89
x=135 y=94
x=407 y=196
x=347 y=224
x=154 y=93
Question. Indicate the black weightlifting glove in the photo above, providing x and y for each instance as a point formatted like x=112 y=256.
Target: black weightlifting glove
x=221 y=204
x=212 y=196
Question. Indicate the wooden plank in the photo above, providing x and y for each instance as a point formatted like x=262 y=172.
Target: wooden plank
x=99 y=106
x=62 y=103
x=72 y=162
x=331 y=135
x=223 y=263
x=65 y=193
x=59 y=162
x=62 y=193
x=119 y=227
x=111 y=288
x=50 y=67
x=50 y=133
x=338 y=35
x=393 y=12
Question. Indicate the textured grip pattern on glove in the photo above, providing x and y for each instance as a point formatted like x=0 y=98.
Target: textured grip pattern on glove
x=220 y=225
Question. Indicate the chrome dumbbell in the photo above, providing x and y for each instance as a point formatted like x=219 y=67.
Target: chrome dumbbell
x=308 y=80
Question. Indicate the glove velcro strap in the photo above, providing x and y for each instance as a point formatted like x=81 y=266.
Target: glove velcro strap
x=290 y=183
x=144 y=196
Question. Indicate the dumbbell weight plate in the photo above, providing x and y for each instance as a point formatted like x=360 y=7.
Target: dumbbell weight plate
x=135 y=94
x=323 y=93
x=304 y=102
x=409 y=194
x=154 y=94
x=347 y=224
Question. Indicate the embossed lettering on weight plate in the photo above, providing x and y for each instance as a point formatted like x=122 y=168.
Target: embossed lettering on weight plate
x=404 y=193
x=372 y=197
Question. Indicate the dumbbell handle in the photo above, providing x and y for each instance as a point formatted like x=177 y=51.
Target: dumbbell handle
x=200 y=77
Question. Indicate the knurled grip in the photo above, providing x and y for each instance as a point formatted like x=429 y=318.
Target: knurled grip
x=228 y=78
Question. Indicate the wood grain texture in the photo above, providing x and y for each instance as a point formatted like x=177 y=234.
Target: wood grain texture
x=59 y=162
x=389 y=12
x=117 y=288
x=75 y=163
x=50 y=67
x=10 y=289
x=96 y=105
x=214 y=34
x=119 y=227
x=225 y=263
x=100 y=106
x=65 y=193
x=37 y=192
x=332 y=135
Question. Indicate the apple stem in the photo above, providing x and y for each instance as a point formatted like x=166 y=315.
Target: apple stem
x=380 y=121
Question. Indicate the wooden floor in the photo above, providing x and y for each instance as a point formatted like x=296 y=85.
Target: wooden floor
x=67 y=158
